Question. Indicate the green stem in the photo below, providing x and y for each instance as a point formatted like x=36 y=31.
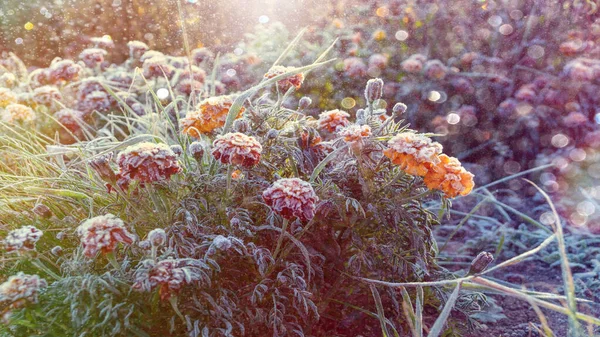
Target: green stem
x=36 y=262
x=113 y=260
x=280 y=240
x=173 y=301
x=229 y=173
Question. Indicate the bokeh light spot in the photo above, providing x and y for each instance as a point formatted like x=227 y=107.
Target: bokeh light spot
x=29 y=26
x=348 y=103
x=560 y=140
x=401 y=35
x=453 y=118
x=162 y=93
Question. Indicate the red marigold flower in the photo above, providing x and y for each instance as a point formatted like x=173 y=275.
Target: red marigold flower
x=210 y=114
x=64 y=70
x=449 y=177
x=168 y=275
x=147 y=163
x=572 y=47
x=69 y=118
x=92 y=56
x=17 y=113
x=103 y=233
x=157 y=66
x=414 y=153
x=18 y=290
x=22 y=239
x=7 y=97
x=333 y=120
x=237 y=149
x=286 y=83
x=292 y=198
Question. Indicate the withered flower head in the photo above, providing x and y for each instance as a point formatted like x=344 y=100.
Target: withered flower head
x=210 y=114
x=450 y=177
x=414 y=153
x=103 y=233
x=147 y=163
x=286 y=83
x=480 y=263
x=333 y=120
x=237 y=149
x=292 y=198
x=22 y=239
x=17 y=113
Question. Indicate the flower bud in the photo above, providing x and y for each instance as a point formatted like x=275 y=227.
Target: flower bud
x=42 y=211
x=177 y=149
x=304 y=103
x=242 y=125
x=361 y=116
x=480 y=263
x=399 y=108
x=374 y=90
x=57 y=251
x=157 y=237
x=272 y=134
x=101 y=164
x=196 y=149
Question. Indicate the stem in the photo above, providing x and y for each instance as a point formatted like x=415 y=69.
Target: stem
x=113 y=260
x=173 y=301
x=36 y=262
x=280 y=240
x=229 y=173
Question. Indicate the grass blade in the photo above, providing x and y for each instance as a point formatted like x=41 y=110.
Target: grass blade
x=438 y=326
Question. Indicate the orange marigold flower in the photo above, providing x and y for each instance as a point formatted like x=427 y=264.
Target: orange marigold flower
x=147 y=162
x=210 y=114
x=103 y=233
x=333 y=120
x=292 y=198
x=355 y=133
x=7 y=97
x=414 y=153
x=237 y=149
x=449 y=177
x=15 y=113
x=286 y=83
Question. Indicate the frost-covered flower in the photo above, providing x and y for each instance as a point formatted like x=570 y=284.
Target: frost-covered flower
x=103 y=42
x=187 y=85
x=435 y=70
x=64 y=70
x=7 y=97
x=378 y=61
x=22 y=239
x=450 y=177
x=157 y=237
x=103 y=233
x=17 y=113
x=237 y=149
x=96 y=101
x=333 y=120
x=413 y=64
x=288 y=82
x=200 y=55
x=69 y=118
x=355 y=133
x=19 y=290
x=414 y=153
x=157 y=67
x=169 y=276
x=210 y=114
x=196 y=150
x=147 y=163
x=92 y=57
x=46 y=95
x=292 y=198
x=137 y=49
x=355 y=67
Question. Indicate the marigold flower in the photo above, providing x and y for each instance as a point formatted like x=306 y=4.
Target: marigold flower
x=237 y=149
x=7 y=97
x=46 y=95
x=526 y=92
x=92 y=57
x=22 y=239
x=450 y=177
x=103 y=233
x=210 y=114
x=157 y=67
x=103 y=42
x=64 y=70
x=147 y=163
x=355 y=67
x=168 y=275
x=333 y=120
x=69 y=118
x=414 y=153
x=17 y=113
x=200 y=55
x=286 y=83
x=355 y=133
x=18 y=290
x=292 y=198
